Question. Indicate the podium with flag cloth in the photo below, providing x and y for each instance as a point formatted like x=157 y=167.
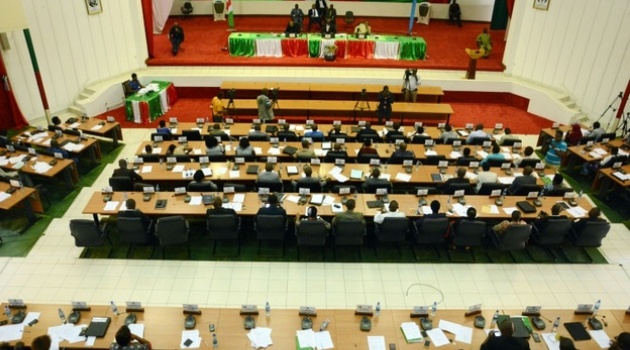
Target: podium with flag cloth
x=150 y=102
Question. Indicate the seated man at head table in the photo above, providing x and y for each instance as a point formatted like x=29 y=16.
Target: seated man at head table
x=367 y=130
x=124 y=171
x=292 y=28
x=393 y=212
x=329 y=28
x=349 y=214
x=311 y=215
x=363 y=28
x=395 y=131
x=401 y=153
x=125 y=340
x=134 y=83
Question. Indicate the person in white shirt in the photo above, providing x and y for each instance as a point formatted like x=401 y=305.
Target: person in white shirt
x=485 y=176
x=528 y=153
x=410 y=85
x=478 y=133
x=392 y=213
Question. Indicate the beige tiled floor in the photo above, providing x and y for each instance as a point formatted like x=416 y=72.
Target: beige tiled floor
x=52 y=273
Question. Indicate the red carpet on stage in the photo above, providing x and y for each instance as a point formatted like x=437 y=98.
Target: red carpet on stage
x=521 y=122
x=206 y=39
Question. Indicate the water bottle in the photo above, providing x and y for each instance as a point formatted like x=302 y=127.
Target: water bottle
x=157 y=188
x=598 y=304
x=556 y=324
x=114 y=307
x=267 y=309
x=377 y=309
x=215 y=342
x=62 y=316
x=581 y=193
x=417 y=165
x=324 y=325
x=495 y=318
x=7 y=311
x=434 y=308
x=124 y=196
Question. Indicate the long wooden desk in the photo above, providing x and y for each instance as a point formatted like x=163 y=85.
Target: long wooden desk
x=100 y=128
x=26 y=198
x=408 y=203
x=330 y=91
x=434 y=112
x=64 y=167
x=605 y=179
x=164 y=326
x=89 y=146
x=579 y=154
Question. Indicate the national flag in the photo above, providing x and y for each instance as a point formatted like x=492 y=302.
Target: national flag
x=230 y=14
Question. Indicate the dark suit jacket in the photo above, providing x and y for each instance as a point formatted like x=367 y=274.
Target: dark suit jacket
x=332 y=29
x=127 y=173
x=420 y=221
x=286 y=134
x=519 y=181
x=364 y=132
x=455 y=180
x=312 y=16
x=503 y=343
x=388 y=136
x=348 y=215
x=273 y=210
x=136 y=214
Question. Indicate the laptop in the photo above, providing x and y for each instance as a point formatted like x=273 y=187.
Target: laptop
x=290 y=150
x=252 y=169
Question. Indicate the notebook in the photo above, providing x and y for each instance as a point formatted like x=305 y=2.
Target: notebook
x=577 y=331
x=317 y=199
x=290 y=150
x=436 y=177
x=526 y=207
x=374 y=204
x=356 y=174
x=98 y=327
x=292 y=170
x=252 y=169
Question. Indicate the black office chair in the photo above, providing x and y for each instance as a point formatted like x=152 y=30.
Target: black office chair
x=401 y=160
x=487 y=188
x=187 y=9
x=432 y=232
x=478 y=141
x=271 y=228
x=392 y=231
x=552 y=232
x=288 y=136
x=529 y=162
x=468 y=189
x=192 y=135
x=349 y=233
x=172 y=230
x=182 y=159
x=151 y=158
x=349 y=19
x=430 y=190
x=248 y=158
x=224 y=227
x=613 y=160
x=525 y=189
x=587 y=139
x=558 y=192
x=71 y=132
x=54 y=128
x=258 y=137
x=132 y=231
x=165 y=137
x=470 y=234
x=373 y=137
x=217 y=159
x=512 y=239
x=496 y=163
x=591 y=235
x=87 y=233
x=332 y=158
x=314 y=187
x=511 y=142
x=419 y=139
x=199 y=187
x=352 y=188
x=393 y=138
x=311 y=233
x=238 y=188
x=434 y=160
x=372 y=188
x=272 y=186
x=609 y=135
x=465 y=161
x=334 y=137
x=366 y=158
x=121 y=183
x=451 y=140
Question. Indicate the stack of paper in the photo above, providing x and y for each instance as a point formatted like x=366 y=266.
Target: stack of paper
x=73 y=147
x=4 y=195
x=462 y=333
x=147 y=169
x=96 y=127
x=273 y=151
x=178 y=168
x=307 y=339
x=156 y=150
x=111 y=205
x=411 y=331
x=454 y=155
x=260 y=337
x=195 y=200
x=11 y=332
x=193 y=336
x=577 y=212
x=41 y=167
x=430 y=153
x=238 y=198
x=620 y=176
x=403 y=177
x=207 y=171
x=376 y=342
x=460 y=209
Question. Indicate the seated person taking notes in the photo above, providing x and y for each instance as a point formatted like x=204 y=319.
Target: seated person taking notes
x=125 y=341
x=391 y=213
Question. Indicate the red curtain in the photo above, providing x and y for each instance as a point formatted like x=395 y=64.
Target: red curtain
x=10 y=115
x=510 y=6
x=147 y=14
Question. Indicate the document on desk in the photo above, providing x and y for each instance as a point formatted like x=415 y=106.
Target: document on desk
x=509 y=210
x=620 y=176
x=411 y=331
x=239 y=198
x=147 y=169
x=11 y=332
x=601 y=338
x=490 y=209
x=179 y=168
x=306 y=339
x=506 y=180
x=403 y=177
x=235 y=174
x=460 y=209
x=156 y=150
x=111 y=205
x=438 y=337
x=67 y=332
x=293 y=198
x=222 y=170
x=376 y=342
x=194 y=338
x=4 y=195
x=137 y=329
x=454 y=155
x=462 y=333
x=551 y=341
x=385 y=177
x=195 y=200
x=482 y=154
x=273 y=151
x=339 y=177
x=236 y=206
x=507 y=155
x=258 y=150
x=196 y=151
x=328 y=200
x=430 y=152
x=207 y=171
x=323 y=340
x=577 y=212
x=96 y=127
x=260 y=337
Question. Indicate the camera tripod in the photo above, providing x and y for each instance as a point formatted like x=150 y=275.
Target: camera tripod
x=361 y=104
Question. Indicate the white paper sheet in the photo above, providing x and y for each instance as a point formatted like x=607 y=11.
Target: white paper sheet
x=207 y=171
x=438 y=337
x=306 y=338
x=147 y=169
x=339 y=177
x=11 y=332
x=577 y=212
x=430 y=153
x=376 y=342
x=178 y=168
x=111 y=205
x=260 y=337
x=235 y=174
x=292 y=198
x=509 y=210
x=192 y=335
x=195 y=200
x=411 y=331
x=403 y=177
x=601 y=338
x=454 y=155
x=238 y=198
x=273 y=151
x=4 y=195
x=41 y=167
x=323 y=340
x=551 y=341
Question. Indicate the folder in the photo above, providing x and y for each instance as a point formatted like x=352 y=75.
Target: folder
x=252 y=169
x=98 y=327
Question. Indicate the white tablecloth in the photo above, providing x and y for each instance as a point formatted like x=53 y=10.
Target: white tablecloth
x=386 y=50
x=268 y=48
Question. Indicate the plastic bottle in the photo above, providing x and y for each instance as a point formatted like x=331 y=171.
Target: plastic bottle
x=324 y=325
x=215 y=342
x=434 y=308
x=267 y=309
x=596 y=307
x=114 y=307
x=124 y=196
x=556 y=324
x=7 y=311
x=377 y=309
x=495 y=318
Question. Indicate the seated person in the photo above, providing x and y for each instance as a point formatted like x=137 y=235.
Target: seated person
x=478 y=133
x=391 y=213
x=526 y=179
x=124 y=339
x=199 y=179
x=55 y=147
x=363 y=28
x=124 y=171
x=134 y=83
x=349 y=214
x=218 y=209
x=286 y=133
x=163 y=129
x=336 y=152
x=448 y=133
x=419 y=131
x=148 y=149
x=244 y=148
x=394 y=132
x=4 y=139
x=41 y=342
x=367 y=130
x=216 y=131
x=506 y=340
x=496 y=155
x=273 y=208
x=314 y=133
x=306 y=151
x=336 y=133
x=471 y=215
x=597 y=132
x=367 y=148
x=505 y=224
x=308 y=179
x=459 y=179
x=213 y=147
x=374 y=181
x=591 y=168
x=556 y=184
x=543 y=217
x=574 y=136
x=329 y=28
x=508 y=136
x=292 y=28
x=311 y=215
x=401 y=154
x=485 y=176
x=268 y=174
x=466 y=157
x=435 y=213
x=593 y=215
x=56 y=124
x=621 y=342
x=257 y=133
x=528 y=153
x=176 y=150
x=132 y=212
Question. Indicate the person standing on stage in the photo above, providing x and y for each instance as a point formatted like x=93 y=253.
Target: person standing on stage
x=217 y=108
x=297 y=16
x=176 y=36
x=455 y=14
x=484 y=41
x=265 y=106
x=410 y=85
x=385 y=100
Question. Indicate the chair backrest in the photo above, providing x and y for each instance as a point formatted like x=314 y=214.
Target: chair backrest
x=515 y=237
x=282 y=136
x=487 y=188
x=529 y=162
x=165 y=137
x=393 y=138
x=223 y=226
x=188 y=5
x=121 y=183
x=392 y=230
x=311 y=233
x=258 y=137
x=334 y=137
x=272 y=186
x=86 y=233
x=525 y=189
x=192 y=135
x=497 y=162
x=585 y=140
x=365 y=158
x=478 y=140
x=609 y=135
x=371 y=188
x=468 y=188
x=349 y=232
x=71 y=132
x=182 y=159
x=430 y=190
x=592 y=234
x=199 y=187
x=558 y=192
x=132 y=231
x=510 y=142
x=553 y=231
x=465 y=161
x=270 y=227
x=373 y=137
x=332 y=157
x=434 y=160
x=151 y=158
x=470 y=234
x=400 y=160
x=314 y=187
x=171 y=230
x=613 y=160
x=431 y=231
x=217 y=158
x=237 y=187
x=450 y=140
x=420 y=139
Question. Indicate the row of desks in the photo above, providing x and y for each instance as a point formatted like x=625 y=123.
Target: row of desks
x=65 y=168
x=164 y=326
x=176 y=204
x=88 y=147
x=25 y=198
x=329 y=91
x=98 y=127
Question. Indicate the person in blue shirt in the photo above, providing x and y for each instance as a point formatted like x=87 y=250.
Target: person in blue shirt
x=495 y=155
x=134 y=83
x=163 y=129
x=315 y=134
x=478 y=133
x=555 y=152
x=55 y=147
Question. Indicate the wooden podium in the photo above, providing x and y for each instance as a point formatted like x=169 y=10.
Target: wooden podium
x=473 y=55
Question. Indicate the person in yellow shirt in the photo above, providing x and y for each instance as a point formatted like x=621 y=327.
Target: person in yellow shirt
x=217 y=107
x=363 y=28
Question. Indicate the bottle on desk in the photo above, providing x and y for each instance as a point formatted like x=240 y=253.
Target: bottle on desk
x=377 y=309
x=434 y=308
x=267 y=309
